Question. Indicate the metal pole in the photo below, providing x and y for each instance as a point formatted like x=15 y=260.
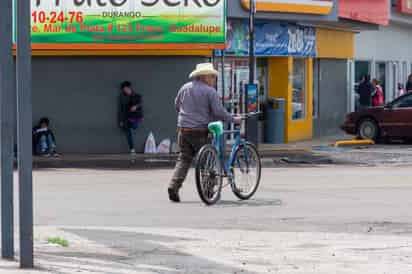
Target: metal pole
x=251 y=56
x=252 y=42
x=223 y=75
x=7 y=128
x=24 y=125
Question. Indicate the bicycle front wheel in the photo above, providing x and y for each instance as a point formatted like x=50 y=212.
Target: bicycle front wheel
x=246 y=171
x=209 y=175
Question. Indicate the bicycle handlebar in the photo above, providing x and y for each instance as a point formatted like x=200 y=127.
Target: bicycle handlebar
x=249 y=115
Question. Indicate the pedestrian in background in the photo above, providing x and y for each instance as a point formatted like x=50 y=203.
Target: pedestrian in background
x=44 y=142
x=377 y=96
x=130 y=112
x=197 y=104
x=365 y=91
x=401 y=90
x=409 y=84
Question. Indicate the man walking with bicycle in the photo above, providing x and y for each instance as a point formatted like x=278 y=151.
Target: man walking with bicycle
x=197 y=104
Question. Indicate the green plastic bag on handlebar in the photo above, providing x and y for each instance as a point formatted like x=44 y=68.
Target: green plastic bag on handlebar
x=216 y=128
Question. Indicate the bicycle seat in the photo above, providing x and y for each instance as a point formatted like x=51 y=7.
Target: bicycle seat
x=216 y=128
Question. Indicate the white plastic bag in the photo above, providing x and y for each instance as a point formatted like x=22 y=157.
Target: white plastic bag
x=150 y=146
x=164 y=146
x=174 y=148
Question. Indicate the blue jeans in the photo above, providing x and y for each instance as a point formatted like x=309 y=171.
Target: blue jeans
x=45 y=145
x=130 y=125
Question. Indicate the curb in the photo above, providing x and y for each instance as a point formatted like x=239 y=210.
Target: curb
x=138 y=161
x=354 y=143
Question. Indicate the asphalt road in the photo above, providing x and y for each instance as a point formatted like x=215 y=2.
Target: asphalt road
x=327 y=197
x=334 y=219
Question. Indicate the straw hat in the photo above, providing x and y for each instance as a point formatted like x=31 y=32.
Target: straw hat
x=203 y=69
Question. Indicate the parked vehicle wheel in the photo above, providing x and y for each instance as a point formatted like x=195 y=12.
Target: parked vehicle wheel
x=368 y=129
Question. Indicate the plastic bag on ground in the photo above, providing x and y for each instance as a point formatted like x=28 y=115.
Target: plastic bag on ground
x=164 y=146
x=150 y=146
x=174 y=148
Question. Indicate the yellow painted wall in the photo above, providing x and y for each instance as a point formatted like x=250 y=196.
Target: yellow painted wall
x=280 y=86
x=335 y=44
x=279 y=76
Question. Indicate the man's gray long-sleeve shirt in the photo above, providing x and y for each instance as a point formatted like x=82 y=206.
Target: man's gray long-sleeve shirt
x=198 y=104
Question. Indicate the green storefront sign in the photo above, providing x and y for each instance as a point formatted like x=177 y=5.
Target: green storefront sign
x=130 y=22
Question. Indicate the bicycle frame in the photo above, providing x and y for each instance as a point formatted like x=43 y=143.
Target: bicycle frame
x=219 y=144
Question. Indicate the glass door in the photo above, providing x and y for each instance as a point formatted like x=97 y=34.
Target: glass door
x=381 y=76
x=299 y=95
x=395 y=80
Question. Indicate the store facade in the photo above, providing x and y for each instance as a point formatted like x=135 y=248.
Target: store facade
x=301 y=58
x=334 y=68
x=282 y=49
x=335 y=49
x=81 y=54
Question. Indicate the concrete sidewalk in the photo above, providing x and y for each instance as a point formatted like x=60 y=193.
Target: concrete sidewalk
x=152 y=250
x=142 y=161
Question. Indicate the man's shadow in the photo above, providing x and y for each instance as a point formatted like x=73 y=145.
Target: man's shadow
x=243 y=203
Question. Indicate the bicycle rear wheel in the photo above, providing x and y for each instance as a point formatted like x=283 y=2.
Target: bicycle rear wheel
x=246 y=171
x=208 y=175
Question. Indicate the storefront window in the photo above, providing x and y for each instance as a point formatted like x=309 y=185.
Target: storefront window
x=299 y=89
x=410 y=71
x=227 y=81
x=236 y=75
x=395 y=80
x=404 y=73
x=262 y=78
x=362 y=68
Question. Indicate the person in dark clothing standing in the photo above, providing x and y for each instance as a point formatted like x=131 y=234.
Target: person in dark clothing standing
x=409 y=84
x=130 y=112
x=365 y=91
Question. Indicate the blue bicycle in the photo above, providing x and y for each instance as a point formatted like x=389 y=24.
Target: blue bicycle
x=242 y=169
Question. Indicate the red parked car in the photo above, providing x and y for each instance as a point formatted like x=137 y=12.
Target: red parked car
x=394 y=120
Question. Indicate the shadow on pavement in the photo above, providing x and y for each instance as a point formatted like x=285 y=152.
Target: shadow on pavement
x=105 y=164
x=251 y=203
x=129 y=252
x=240 y=203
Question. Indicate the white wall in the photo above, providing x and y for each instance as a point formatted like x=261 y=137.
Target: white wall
x=391 y=43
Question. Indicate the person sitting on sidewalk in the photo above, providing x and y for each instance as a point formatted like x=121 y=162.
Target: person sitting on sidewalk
x=130 y=112
x=44 y=142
